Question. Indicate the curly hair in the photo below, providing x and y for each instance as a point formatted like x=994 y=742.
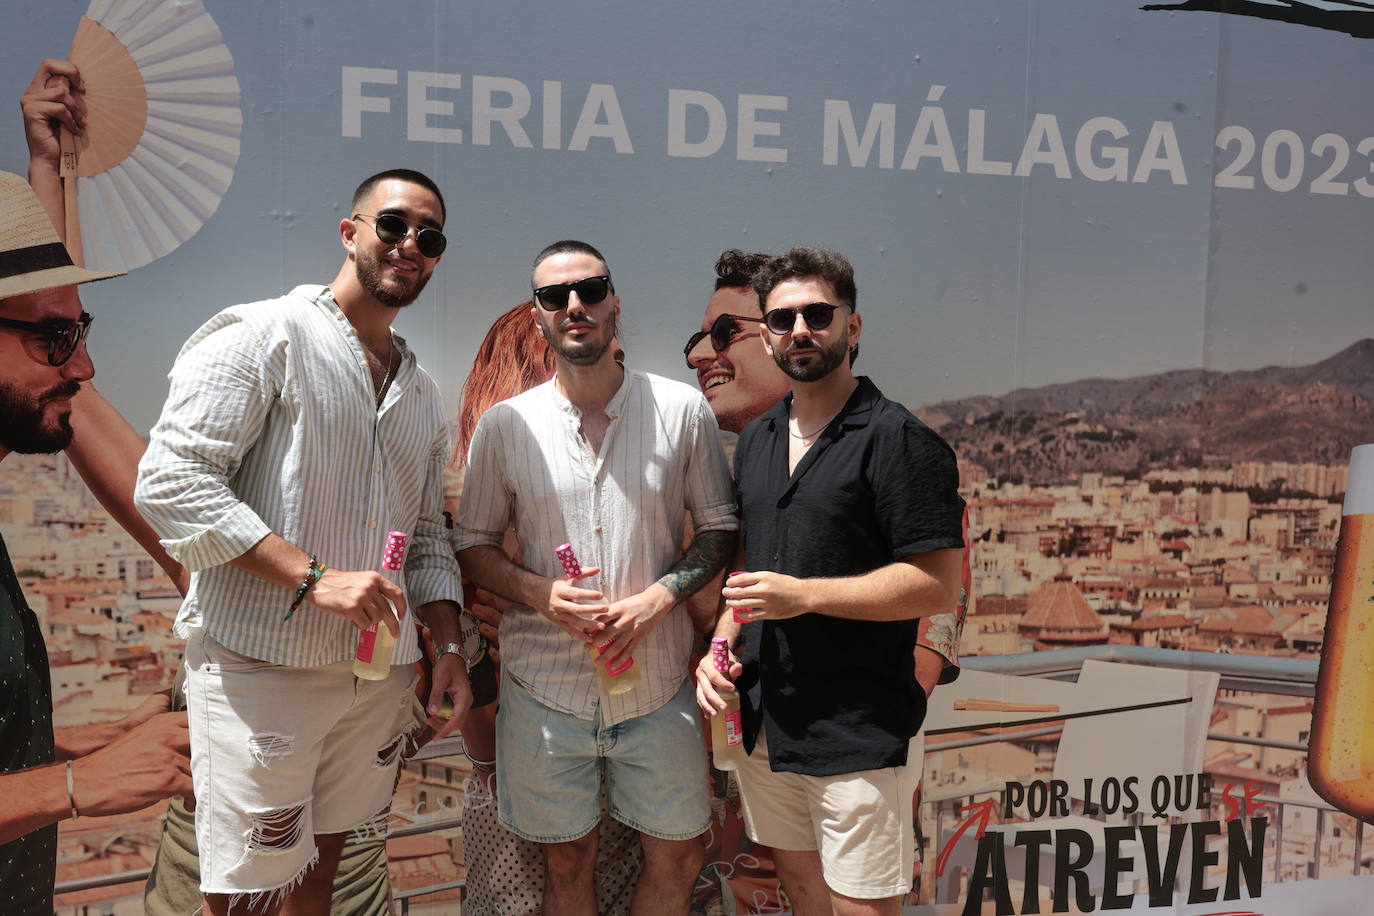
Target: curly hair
x=735 y=268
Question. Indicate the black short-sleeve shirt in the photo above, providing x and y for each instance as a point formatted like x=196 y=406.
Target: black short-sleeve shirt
x=28 y=865
x=840 y=696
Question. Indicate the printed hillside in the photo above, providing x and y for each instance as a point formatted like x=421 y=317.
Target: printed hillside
x=1184 y=418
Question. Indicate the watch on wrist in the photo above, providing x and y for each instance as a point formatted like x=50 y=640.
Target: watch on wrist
x=447 y=648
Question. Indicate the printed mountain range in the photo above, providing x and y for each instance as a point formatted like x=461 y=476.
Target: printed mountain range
x=1184 y=418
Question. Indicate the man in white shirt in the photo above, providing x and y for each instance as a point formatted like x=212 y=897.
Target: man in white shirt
x=610 y=461
x=296 y=434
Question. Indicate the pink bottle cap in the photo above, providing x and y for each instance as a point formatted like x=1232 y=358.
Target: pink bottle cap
x=720 y=654
x=393 y=556
x=568 y=559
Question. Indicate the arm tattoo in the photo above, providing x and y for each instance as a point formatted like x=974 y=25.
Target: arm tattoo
x=703 y=559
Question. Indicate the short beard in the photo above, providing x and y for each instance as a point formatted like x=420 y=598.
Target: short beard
x=21 y=420
x=579 y=352
x=369 y=273
x=819 y=367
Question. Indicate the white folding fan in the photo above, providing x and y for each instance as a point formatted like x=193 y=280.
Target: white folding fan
x=162 y=132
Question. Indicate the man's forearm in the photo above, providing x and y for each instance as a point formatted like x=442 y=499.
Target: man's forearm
x=491 y=569
x=33 y=798
x=80 y=740
x=442 y=619
x=704 y=557
x=726 y=625
x=929 y=666
x=275 y=559
x=105 y=451
x=918 y=586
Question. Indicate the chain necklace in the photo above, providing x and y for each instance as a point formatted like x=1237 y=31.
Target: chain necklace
x=820 y=429
x=390 y=357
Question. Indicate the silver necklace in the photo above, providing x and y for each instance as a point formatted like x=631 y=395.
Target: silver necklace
x=820 y=429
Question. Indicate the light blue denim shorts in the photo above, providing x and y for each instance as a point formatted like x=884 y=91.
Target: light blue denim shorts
x=550 y=766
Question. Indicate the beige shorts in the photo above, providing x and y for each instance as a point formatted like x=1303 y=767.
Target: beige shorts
x=860 y=823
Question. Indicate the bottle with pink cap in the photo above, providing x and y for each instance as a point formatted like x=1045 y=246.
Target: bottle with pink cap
x=727 y=725
x=372 y=661
x=626 y=674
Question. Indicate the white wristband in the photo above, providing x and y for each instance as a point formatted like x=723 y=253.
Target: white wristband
x=71 y=791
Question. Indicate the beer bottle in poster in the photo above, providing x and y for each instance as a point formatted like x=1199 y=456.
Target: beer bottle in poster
x=626 y=675
x=372 y=660
x=727 y=726
x=1340 y=760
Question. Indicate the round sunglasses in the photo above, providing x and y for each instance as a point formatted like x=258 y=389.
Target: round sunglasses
x=817 y=316
x=62 y=336
x=392 y=230
x=590 y=291
x=724 y=331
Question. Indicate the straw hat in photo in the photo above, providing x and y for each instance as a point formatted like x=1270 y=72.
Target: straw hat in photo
x=32 y=257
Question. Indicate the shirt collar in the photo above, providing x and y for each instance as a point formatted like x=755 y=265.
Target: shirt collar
x=323 y=298
x=613 y=407
x=856 y=412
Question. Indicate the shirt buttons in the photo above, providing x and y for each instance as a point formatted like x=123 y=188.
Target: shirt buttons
x=372 y=524
x=597 y=529
x=377 y=469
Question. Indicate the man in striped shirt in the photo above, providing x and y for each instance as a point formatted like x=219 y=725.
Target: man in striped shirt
x=610 y=461
x=297 y=432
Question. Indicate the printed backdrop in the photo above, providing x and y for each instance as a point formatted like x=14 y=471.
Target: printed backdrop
x=1115 y=253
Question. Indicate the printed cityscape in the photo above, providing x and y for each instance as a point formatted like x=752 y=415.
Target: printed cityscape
x=1212 y=560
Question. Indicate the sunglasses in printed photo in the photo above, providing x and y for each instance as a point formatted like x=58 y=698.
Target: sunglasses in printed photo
x=590 y=291
x=62 y=336
x=392 y=230
x=817 y=316
x=725 y=330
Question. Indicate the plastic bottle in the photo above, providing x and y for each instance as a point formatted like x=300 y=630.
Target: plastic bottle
x=372 y=661
x=1340 y=760
x=626 y=675
x=727 y=726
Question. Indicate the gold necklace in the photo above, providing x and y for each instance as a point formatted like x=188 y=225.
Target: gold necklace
x=386 y=379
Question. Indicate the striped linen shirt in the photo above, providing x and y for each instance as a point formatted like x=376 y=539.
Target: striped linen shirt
x=622 y=509
x=272 y=425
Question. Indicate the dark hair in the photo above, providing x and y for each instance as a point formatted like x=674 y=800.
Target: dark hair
x=805 y=263
x=569 y=246
x=408 y=175
x=735 y=268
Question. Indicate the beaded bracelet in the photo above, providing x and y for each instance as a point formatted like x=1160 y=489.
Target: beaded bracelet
x=312 y=575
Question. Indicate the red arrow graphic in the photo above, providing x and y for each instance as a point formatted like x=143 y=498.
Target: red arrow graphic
x=982 y=814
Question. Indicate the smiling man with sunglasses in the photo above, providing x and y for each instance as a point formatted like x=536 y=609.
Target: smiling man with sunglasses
x=298 y=431
x=611 y=461
x=852 y=531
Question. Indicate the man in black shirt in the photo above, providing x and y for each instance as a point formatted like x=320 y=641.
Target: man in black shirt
x=852 y=532
x=107 y=768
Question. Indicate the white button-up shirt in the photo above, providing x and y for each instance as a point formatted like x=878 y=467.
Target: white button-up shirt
x=272 y=425
x=622 y=509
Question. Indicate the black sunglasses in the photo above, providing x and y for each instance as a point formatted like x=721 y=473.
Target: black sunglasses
x=589 y=292
x=63 y=337
x=724 y=331
x=392 y=230
x=817 y=316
